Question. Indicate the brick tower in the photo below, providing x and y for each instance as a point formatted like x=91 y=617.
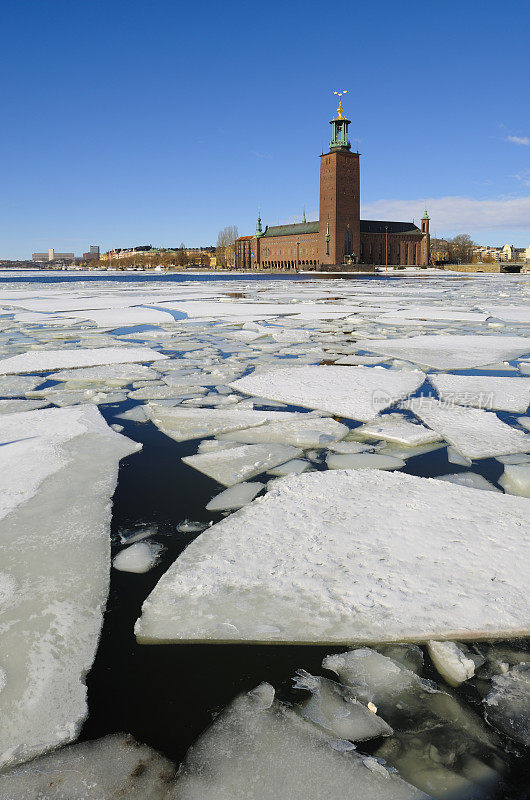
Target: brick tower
x=339 y=226
x=426 y=240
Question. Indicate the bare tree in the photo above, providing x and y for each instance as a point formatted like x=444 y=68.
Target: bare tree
x=461 y=248
x=225 y=250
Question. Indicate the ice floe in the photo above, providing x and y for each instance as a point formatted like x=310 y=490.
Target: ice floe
x=302 y=431
x=351 y=392
x=396 y=428
x=475 y=433
x=484 y=391
x=46 y=360
x=235 y=497
x=235 y=465
x=139 y=557
x=508 y=703
x=446 y=351
x=59 y=473
x=516 y=479
x=451 y=661
x=303 y=560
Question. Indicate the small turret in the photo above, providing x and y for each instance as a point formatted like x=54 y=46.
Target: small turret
x=425 y=222
x=259 y=230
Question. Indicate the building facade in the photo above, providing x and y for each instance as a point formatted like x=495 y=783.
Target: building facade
x=339 y=239
x=52 y=255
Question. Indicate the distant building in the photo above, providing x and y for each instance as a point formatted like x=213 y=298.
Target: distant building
x=440 y=251
x=52 y=255
x=339 y=238
x=93 y=253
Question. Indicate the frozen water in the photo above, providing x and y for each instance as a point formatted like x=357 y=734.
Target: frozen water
x=105 y=769
x=507 y=706
x=139 y=557
x=470 y=479
x=395 y=428
x=352 y=392
x=363 y=461
x=60 y=471
x=293 y=467
x=182 y=424
x=302 y=431
x=234 y=465
x=473 y=432
x=235 y=497
x=335 y=709
x=516 y=479
x=14 y=406
x=112 y=375
x=484 y=391
x=450 y=351
x=451 y=661
x=46 y=360
x=454 y=457
x=18 y=385
x=304 y=560
x=266 y=753
x=349 y=447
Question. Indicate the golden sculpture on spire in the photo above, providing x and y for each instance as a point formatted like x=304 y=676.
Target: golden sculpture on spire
x=340 y=110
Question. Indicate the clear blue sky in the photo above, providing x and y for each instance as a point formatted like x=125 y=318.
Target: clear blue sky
x=162 y=121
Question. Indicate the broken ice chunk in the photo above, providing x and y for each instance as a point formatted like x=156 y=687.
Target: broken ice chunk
x=363 y=461
x=301 y=432
x=293 y=467
x=261 y=749
x=15 y=406
x=231 y=466
x=335 y=708
x=139 y=557
x=470 y=479
x=473 y=432
x=484 y=391
x=18 y=385
x=451 y=661
x=454 y=457
x=183 y=424
x=516 y=479
x=349 y=447
x=46 y=360
x=112 y=767
x=351 y=392
x=395 y=428
x=235 y=497
x=507 y=706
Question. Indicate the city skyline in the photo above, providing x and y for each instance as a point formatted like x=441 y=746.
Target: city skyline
x=166 y=124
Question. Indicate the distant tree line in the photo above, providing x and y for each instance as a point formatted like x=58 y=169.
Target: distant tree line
x=460 y=248
x=226 y=246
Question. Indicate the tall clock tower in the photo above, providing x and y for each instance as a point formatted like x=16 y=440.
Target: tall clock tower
x=339 y=222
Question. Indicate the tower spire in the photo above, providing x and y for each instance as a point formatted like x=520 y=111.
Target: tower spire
x=303 y=216
x=259 y=229
x=339 y=129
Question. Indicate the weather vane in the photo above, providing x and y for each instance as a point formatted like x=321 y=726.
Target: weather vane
x=340 y=109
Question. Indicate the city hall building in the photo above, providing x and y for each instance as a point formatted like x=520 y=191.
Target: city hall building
x=339 y=239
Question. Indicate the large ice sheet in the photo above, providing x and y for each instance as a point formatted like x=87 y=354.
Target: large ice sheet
x=238 y=464
x=106 y=769
x=320 y=559
x=448 y=351
x=59 y=474
x=484 y=391
x=182 y=424
x=258 y=749
x=475 y=433
x=352 y=392
x=114 y=317
x=46 y=360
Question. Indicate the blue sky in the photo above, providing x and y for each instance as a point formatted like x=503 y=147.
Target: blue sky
x=158 y=122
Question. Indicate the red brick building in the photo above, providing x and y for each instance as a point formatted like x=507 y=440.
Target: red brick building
x=339 y=239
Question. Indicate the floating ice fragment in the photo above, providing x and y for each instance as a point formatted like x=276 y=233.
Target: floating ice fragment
x=336 y=709
x=293 y=467
x=235 y=497
x=516 y=479
x=139 y=557
x=317 y=558
x=182 y=424
x=302 y=431
x=454 y=457
x=473 y=432
x=470 y=479
x=15 y=406
x=189 y=526
x=265 y=751
x=108 y=768
x=507 y=706
x=18 y=385
x=451 y=662
x=447 y=351
x=231 y=466
x=349 y=447
x=352 y=392
x=483 y=391
x=363 y=461
x=46 y=360
x=395 y=428
x=60 y=471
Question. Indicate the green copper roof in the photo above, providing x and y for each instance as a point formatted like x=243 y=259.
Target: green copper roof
x=291 y=230
x=425 y=215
